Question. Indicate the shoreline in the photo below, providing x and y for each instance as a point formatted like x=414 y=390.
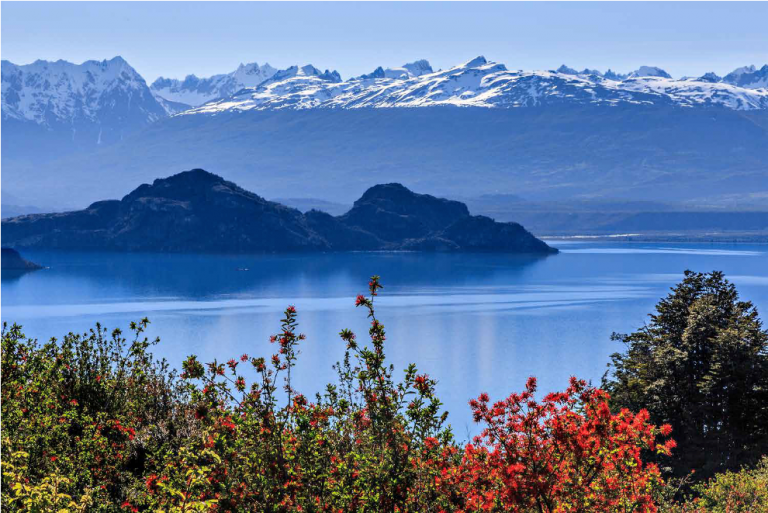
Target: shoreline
x=677 y=238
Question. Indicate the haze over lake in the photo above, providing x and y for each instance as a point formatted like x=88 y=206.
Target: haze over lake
x=476 y=322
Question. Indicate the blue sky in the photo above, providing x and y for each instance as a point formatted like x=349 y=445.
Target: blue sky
x=177 y=38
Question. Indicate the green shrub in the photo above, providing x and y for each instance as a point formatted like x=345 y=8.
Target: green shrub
x=745 y=491
x=86 y=417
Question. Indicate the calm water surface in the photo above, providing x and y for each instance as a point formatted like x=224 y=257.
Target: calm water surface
x=475 y=322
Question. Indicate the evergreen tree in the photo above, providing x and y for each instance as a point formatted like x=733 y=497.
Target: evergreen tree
x=701 y=365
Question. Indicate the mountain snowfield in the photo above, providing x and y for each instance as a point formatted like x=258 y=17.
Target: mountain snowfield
x=104 y=92
x=110 y=92
x=480 y=83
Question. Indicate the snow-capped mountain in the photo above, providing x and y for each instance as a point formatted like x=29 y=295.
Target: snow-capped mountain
x=480 y=83
x=410 y=70
x=749 y=77
x=104 y=100
x=52 y=109
x=649 y=71
x=107 y=93
x=546 y=133
x=194 y=91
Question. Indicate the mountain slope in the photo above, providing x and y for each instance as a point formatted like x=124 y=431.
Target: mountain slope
x=196 y=211
x=70 y=105
x=555 y=152
x=749 y=77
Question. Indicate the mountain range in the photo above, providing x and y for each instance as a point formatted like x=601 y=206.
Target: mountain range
x=197 y=211
x=476 y=128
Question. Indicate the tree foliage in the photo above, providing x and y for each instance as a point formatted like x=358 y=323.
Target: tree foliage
x=701 y=365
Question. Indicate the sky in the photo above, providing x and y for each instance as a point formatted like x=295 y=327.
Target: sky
x=173 y=39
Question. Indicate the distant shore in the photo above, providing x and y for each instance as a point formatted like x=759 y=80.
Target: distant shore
x=734 y=238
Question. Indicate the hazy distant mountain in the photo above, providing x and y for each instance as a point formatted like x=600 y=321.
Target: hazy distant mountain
x=199 y=211
x=13 y=210
x=749 y=77
x=307 y=204
x=476 y=128
x=194 y=91
x=406 y=71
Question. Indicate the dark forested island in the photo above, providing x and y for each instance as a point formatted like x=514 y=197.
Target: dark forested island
x=197 y=211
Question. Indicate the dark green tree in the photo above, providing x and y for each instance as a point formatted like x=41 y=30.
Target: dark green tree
x=700 y=365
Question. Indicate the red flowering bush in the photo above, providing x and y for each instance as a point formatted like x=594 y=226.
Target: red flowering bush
x=567 y=452
x=93 y=423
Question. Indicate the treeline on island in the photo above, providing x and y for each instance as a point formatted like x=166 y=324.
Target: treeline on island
x=680 y=423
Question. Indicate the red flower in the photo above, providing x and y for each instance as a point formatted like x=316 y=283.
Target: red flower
x=127 y=505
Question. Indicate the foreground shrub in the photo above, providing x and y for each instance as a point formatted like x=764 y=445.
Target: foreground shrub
x=745 y=491
x=362 y=445
x=701 y=365
x=93 y=423
x=85 y=418
x=564 y=453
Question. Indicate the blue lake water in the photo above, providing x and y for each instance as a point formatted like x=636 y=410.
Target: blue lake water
x=475 y=322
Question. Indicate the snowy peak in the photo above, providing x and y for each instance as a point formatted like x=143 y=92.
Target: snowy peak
x=482 y=83
x=749 y=77
x=612 y=75
x=304 y=72
x=565 y=70
x=476 y=62
x=710 y=77
x=410 y=70
x=404 y=72
x=649 y=71
x=110 y=95
x=194 y=91
x=60 y=92
x=418 y=68
x=250 y=73
x=742 y=70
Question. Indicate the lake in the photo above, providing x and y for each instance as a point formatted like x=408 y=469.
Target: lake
x=476 y=322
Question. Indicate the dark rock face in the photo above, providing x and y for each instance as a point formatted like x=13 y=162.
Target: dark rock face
x=197 y=211
x=394 y=213
x=13 y=261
